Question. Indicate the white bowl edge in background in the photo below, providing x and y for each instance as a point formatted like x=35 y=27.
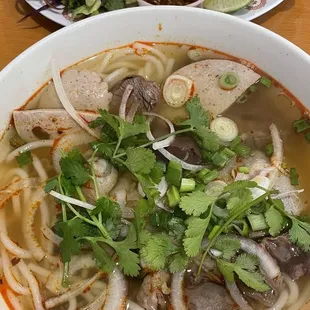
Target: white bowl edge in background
x=246 y=14
x=281 y=59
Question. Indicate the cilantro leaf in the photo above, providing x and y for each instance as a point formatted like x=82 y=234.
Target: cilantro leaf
x=247 y=261
x=209 y=140
x=194 y=234
x=105 y=148
x=197 y=115
x=24 y=158
x=179 y=261
x=73 y=167
x=246 y=267
x=254 y=280
x=140 y=160
x=103 y=260
x=107 y=207
x=139 y=126
x=51 y=184
x=300 y=233
x=69 y=246
x=228 y=246
x=156 y=251
x=110 y=119
x=226 y=269
x=274 y=220
x=196 y=203
x=239 y=185
x=128 y=261
x=239 y=198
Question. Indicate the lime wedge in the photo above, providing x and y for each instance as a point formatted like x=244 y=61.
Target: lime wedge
x=225 y=6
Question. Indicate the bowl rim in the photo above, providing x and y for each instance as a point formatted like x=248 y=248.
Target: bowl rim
x=274 y=36
x=193 y=4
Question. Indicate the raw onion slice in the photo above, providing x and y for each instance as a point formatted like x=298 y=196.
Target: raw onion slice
x=177 y=90
x=177 y=291
x=60 y=90
x=225 y=128
x=166 y=142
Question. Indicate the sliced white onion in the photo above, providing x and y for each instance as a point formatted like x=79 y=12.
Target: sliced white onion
x=237 y=296
x=267 y=263
x=177 y=291
x=280 y=303
x=166 y=142
x=225 y=128
x=184 y=164
x=61 y=92
x=162 y=187
x=177 y=90
x=29 y=147
x=98 y=302
x=73 y=201
x=123 y=105
x=261 y=181
x=117 y=291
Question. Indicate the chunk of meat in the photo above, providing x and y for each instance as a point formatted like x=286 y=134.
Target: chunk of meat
x=30 y=124
x=205 y=75
x=185 y=148
x=208 y=296
x=85 y=90
x=291 y=259
x=153 y=289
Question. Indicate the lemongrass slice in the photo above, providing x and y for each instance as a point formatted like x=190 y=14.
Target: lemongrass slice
x=61 y=92
x=177 y=90
x=165 y=142
x=225 y=128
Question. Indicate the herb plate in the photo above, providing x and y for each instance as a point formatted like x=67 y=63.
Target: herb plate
x=256 y=9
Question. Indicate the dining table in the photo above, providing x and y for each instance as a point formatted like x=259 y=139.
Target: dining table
x=290 y=19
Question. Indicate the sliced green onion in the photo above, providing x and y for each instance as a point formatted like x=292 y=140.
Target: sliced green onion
x=210 y=176
x=235 y=143
x=242 y=227
x=206 y=155
x=174 y=173
x=265 y=81
x=244 y=170
x=269 y=150
x=200 y=187
x=242 y=150
x=173 y=196
x=203 y=173
x=301 y=125
x=219 y=159
x=228 y=152
x=257 y=222
x=229 y=81
x=213 y=231
x=253 y=88
x=187 y=185
x=307 y=136
x=225 y=128
x=158 y=171
x=294 y=176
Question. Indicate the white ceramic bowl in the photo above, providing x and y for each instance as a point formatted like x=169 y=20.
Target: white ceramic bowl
x=194 y=4
x=281 y=59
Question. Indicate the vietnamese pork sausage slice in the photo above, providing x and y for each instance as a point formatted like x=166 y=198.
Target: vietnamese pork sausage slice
x=85 y=90
x=32 y=125
x=205 y=77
